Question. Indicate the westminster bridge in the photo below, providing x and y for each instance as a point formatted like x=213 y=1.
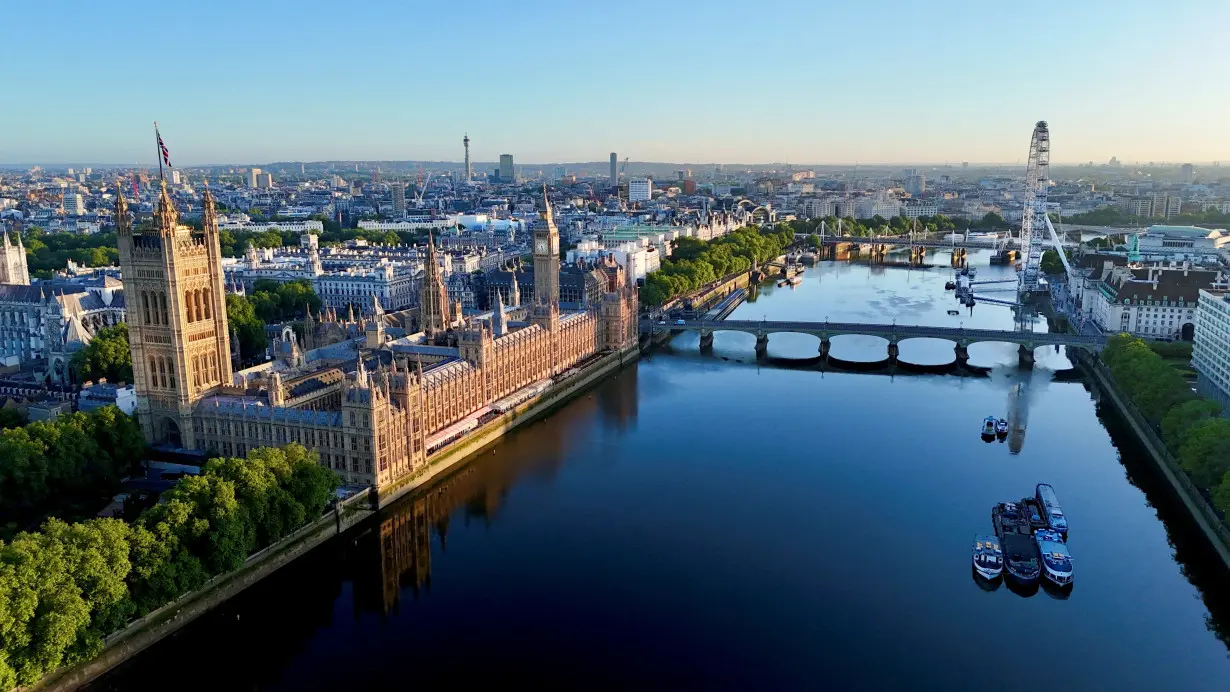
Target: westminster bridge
x=892 y=333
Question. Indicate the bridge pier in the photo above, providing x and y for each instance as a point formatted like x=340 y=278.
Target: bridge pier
x=706 y=341
x=825 y=344
x=962 y=352
x=1025 y=357
x=762 y=344
x=892 y=352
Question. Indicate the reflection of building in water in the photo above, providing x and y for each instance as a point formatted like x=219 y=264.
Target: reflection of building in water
x=480 y=488
x=1018 y=416
x=618 y=399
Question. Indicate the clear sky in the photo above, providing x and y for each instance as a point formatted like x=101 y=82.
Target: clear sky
x=798 y=81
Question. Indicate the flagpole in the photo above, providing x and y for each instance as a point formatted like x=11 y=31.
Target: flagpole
x=158 y=150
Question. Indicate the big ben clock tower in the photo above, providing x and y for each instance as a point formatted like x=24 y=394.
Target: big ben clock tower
x=546 y=268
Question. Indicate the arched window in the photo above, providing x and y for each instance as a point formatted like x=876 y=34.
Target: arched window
x=188 y=310
x=162 y=301
x=196 y=371
x=196 y=302
x=171 y=372
x=162 y=372
x=153 y=372
x=207 y=299
x=145 y=305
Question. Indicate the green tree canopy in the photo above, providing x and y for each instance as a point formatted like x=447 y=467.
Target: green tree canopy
x=107 y=355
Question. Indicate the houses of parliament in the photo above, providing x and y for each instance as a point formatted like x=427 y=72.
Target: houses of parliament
x=373 y=407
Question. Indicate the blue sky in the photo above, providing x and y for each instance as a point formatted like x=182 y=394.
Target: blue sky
x=719 y=81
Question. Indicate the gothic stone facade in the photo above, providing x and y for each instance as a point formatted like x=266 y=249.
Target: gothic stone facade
x=370 y=423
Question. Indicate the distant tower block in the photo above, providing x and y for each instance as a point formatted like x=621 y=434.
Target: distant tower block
x=614 y=172
x=466 y=143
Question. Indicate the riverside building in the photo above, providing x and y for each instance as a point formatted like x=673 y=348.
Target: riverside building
x=373 y=406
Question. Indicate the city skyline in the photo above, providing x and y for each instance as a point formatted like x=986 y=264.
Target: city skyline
x=896 y=84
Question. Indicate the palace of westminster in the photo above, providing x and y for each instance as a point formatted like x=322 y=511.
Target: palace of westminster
x=373 y=406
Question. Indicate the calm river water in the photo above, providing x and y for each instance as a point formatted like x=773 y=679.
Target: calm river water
x=701 y=521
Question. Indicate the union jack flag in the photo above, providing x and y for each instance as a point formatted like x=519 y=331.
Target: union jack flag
x=162 y=148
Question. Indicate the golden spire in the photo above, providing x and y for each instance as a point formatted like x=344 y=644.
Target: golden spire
x=546 y=205
x=122 y=222
x=166 y=216
x=209 y=215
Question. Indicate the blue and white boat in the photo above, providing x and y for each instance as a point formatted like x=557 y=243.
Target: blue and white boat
x=1056 y=560
x=988 y=558
x=1051 y=511
x=988 y=426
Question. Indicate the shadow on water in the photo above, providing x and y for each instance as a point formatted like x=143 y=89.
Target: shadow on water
x=363 y=579
x=372 y=584
x=1197 y=560
x=985 y=584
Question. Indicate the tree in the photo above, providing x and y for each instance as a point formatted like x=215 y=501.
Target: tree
x=107 y=355
x=1205 y=454
x=814 y=240
x=1051 y=264
x=11 y=418
x=1221 y=497
x=1179 y=420
x=249 y=329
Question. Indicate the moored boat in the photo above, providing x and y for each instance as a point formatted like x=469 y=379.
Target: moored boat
x=1020 y=557
x=1056 y=560
x=1032 y=514
x=988 y=426
x=988 y=557
x=1001 y=427
x=1051 y=511
x=1020 y=553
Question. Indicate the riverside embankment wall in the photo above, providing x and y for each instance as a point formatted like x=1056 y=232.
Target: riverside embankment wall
x=1204 y=516
x=143 y=633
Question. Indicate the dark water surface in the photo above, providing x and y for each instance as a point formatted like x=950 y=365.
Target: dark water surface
x=700 y=522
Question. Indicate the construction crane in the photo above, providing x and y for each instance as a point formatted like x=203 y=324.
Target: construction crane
x=422 y=187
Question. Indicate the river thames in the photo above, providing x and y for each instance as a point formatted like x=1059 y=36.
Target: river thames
x=704 y=521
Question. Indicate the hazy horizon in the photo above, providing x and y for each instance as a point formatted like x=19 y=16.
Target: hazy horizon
x=894 y=83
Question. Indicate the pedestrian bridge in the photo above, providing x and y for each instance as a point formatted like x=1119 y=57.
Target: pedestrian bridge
x=893 y=333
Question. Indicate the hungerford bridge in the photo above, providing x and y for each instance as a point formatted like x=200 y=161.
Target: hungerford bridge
x=893 y=333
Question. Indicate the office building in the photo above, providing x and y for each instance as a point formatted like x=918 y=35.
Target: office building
x=614 y=172
x=640 y=189
x=253 y=174
x=916 y=184
x=1211 y=347
x=74 y=204
x=399 y=199
x=264 y=180
x=506 y=169
x=1185 y=173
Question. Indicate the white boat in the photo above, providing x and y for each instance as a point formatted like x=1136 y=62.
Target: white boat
x=988 y=557
x=1056 y=560
x=988 y=426
x=1001 y=427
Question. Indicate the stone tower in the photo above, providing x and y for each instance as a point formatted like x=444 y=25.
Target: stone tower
x=433 y=296
x=545 y=311
x=176 y=317
x=13 y=268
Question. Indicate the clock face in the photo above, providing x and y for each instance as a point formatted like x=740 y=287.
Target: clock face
x=540 y=246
